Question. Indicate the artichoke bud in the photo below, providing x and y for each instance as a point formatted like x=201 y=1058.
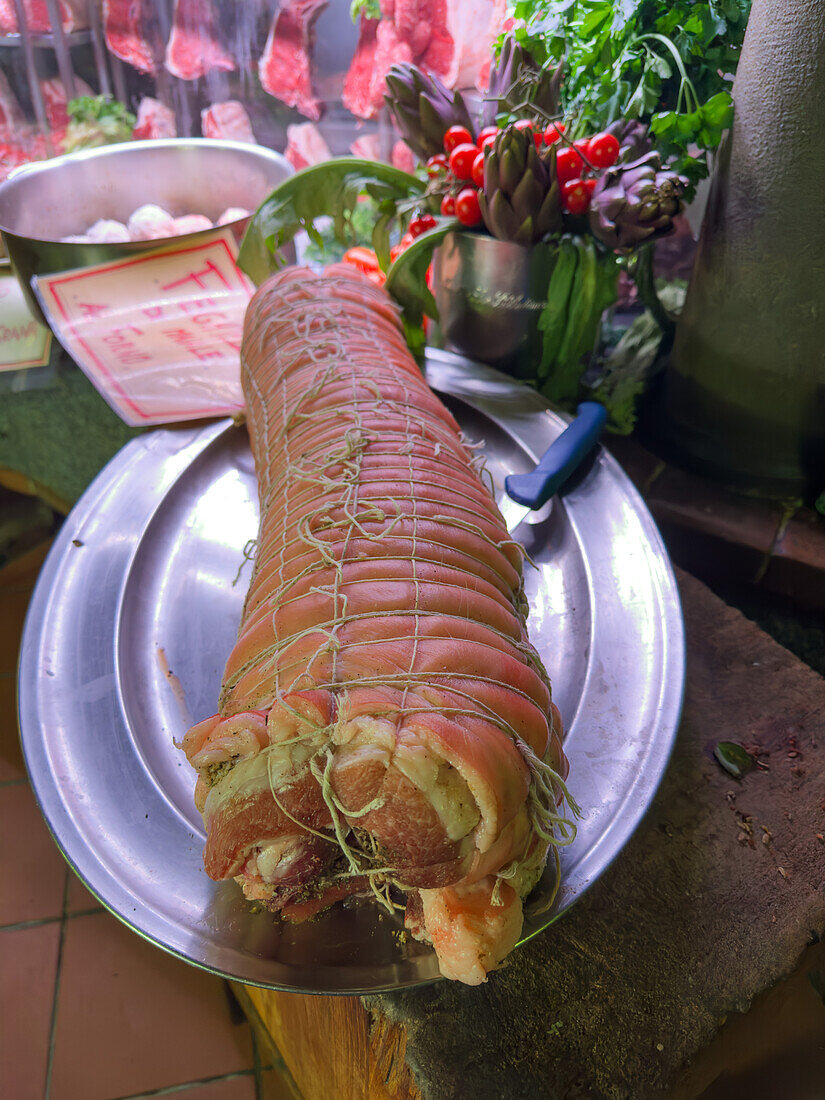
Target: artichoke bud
x=635 y=202
x=516 y=77
x=423 y=109
x=510 y=170
x=520 y=200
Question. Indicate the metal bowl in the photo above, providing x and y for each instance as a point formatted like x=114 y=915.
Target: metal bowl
x=490 y=295
x=47 y=200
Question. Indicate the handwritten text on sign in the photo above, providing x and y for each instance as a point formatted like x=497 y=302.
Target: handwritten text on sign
x=24 y=342
x=158 y=334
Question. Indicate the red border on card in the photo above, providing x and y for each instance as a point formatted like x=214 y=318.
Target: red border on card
x=118 y=265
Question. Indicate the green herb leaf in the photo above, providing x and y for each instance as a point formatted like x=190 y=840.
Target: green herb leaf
x=97 y=120
x=734 y=758
x=668 y=64
x=407 y=276
x=627 y=370
x=370 y=9
x=332 y=188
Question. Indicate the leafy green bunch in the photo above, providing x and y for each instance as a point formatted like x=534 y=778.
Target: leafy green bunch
x=97 y=120
x=669 y=63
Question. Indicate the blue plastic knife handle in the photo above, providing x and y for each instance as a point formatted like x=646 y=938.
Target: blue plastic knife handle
x=561 y=458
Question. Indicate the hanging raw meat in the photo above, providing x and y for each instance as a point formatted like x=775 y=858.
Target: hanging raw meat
x=124 y=27
x=38 y=20
x=403 y=157
x=56 y=100
x=11 y=113
x=385 y=727
x=305 y=145
x=228 y=120
x=284 y=67
x=368 y=147
x=450 y=38
x=194 y=48
x=472 y=26
x=154 y=120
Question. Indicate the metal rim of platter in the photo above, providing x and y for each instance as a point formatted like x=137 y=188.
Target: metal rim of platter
x=136 y=609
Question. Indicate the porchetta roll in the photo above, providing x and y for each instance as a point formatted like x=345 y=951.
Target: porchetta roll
x=384 y=727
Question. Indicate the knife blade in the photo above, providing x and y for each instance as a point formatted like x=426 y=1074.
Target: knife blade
x=529 y=493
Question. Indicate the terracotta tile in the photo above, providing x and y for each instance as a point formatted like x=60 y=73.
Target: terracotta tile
x=13 y=605
x=28 y=962
x=11 y=756
x=79 y=899
x=230 y=1088
x=32 y=870
x=131 y=1018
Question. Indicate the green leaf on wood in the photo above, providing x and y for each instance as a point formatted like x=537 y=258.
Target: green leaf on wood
x=735 y=759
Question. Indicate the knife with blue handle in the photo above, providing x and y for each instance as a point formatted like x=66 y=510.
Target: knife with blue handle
x=527 y=493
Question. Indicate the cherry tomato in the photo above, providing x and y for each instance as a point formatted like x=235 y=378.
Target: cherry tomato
x=448 y=205
x=553 y=133
x=575 y=197
x=487 y=142
x=402 y=246
x=362 y=258
x=478 y=170
x=523 y=124
x=420 y=225
x=365 y=260
x=437 y=164
x=581 y=145
x=590 y=185
x=457 y=135
x=603 y=150
x=461 y=160
x=487 y=132
x=467 y=209
x=569 y=164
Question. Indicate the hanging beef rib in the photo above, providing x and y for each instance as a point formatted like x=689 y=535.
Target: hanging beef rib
x=124 y=27
x=284 y=67
x=194 y=48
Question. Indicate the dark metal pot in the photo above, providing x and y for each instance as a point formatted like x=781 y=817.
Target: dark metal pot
x=47 y=200
x=490 y=295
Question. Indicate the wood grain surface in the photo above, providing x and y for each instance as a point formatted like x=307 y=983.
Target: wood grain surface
x=332 y=1046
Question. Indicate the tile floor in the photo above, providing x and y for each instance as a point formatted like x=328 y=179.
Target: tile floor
x=90 y=1010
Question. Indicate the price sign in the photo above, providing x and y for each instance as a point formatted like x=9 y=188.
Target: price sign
x=24 y=342
x=159 y=334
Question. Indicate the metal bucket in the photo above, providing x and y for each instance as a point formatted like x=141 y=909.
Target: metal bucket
x=490 y=295
x=51 y=199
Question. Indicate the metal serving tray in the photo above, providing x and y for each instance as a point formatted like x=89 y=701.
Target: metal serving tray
x=136 y=610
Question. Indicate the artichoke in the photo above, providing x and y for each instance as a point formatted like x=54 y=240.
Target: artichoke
x=520 y=198
x=635 y=202
x=516 y=79
x=424 y=108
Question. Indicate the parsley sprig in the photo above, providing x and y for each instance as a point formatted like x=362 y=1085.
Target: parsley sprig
x=669 y=63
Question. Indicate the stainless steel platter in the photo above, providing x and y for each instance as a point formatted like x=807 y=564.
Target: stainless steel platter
x=136 y=610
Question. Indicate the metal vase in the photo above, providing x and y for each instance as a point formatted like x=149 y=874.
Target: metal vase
x=490 y=295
